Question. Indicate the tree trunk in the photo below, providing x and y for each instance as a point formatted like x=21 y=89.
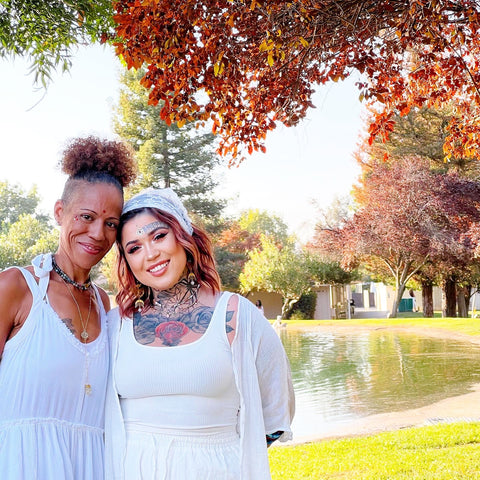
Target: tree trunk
x=396 y=302
x=449 y=297
x=463 y=300
x=468 y=296
x=287 y=306
x=427 y=298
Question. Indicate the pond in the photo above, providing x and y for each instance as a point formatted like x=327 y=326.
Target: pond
x=339 y=377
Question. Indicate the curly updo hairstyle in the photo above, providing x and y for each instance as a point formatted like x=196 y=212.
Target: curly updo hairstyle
x=96 y=160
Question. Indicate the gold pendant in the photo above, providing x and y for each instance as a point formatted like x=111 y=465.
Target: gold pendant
x=88 y=389
x=84 y=335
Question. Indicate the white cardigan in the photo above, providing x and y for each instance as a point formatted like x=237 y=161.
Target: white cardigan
x=262 y=375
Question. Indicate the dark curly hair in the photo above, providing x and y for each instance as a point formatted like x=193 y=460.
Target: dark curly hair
x=96 y=160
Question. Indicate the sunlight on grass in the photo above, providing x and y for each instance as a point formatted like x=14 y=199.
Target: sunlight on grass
x=440 y=452
x=467 y=326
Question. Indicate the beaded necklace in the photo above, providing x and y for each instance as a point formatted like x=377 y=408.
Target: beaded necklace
x=81 y=286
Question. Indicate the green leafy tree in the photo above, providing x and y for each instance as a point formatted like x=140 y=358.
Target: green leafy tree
x=24 y=232
x=48 y=32
x=24 y=239
x=168 y=156
x=14 y=202
x=239 y=236
x=325 y=271
x=276 y=269
x=262 y=222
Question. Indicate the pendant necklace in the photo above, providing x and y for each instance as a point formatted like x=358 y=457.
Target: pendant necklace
x=84 y=334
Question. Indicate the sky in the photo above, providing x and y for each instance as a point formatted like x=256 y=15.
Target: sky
x=312 y=162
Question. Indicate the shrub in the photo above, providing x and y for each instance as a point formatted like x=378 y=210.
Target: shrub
x=304 y=309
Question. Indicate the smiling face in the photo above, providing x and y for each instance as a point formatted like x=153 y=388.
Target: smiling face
x=88 y=224
x=152 y=251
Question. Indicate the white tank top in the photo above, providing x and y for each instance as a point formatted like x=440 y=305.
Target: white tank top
x=187 y=387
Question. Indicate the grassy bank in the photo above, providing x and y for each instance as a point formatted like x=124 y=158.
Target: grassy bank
x=467 y=326
x=440 y=452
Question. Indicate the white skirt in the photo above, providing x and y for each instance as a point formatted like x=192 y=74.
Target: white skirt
x=154 y=454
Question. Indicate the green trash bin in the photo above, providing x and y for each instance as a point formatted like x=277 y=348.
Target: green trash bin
x=406 y=305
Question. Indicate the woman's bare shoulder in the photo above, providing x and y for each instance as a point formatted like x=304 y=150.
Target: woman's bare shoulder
x=15 y=302
x=12 y=281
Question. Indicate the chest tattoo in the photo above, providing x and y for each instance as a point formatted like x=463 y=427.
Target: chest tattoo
x=150 y=325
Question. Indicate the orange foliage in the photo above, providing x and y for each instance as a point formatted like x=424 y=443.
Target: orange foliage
x=238 y=240
x=243 y=65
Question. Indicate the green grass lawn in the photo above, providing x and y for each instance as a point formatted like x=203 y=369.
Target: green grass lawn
x=468 y=326
x=440 y=452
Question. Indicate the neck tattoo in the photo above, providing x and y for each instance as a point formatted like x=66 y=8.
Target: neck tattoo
x=180 y=299
x=81 y=286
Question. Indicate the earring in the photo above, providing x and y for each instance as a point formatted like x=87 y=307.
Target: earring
x=192 y=287
x=139 y=303
x=192 y=280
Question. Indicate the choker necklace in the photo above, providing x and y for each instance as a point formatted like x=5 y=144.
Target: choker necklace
x=81 y=286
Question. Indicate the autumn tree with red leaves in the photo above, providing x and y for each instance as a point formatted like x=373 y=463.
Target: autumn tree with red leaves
x=245 y=65
x=409 y=217
x=422 y=133
x=231 y=246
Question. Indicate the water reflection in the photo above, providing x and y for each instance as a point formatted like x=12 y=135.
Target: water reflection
x=339 y=377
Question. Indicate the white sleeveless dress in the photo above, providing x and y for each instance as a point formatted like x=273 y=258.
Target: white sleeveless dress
x=180 y=406
x=49 y=428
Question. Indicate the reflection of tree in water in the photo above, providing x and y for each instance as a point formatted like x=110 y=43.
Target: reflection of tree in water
x=379 y=371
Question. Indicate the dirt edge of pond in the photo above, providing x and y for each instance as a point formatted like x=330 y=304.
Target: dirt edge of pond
x=459 y=408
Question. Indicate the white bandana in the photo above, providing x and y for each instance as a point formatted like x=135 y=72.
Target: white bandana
x=166 y=200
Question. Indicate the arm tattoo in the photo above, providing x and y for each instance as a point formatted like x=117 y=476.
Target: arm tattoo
x=228 y=327
x=272 y=437
x=146 y=326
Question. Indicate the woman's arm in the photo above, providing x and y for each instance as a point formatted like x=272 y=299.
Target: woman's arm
x=15 y=304
x=274 y=378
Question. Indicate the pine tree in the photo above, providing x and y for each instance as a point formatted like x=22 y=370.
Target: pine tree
x=168 y=156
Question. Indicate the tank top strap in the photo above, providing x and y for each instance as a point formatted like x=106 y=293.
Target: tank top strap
x=42 y=266
x=220 y=312
x=31 y=282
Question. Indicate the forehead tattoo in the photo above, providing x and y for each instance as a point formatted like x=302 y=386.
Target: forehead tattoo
x=150 y=227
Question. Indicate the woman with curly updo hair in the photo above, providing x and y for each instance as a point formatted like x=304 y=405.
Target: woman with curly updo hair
x=53 y=337
x=199 y=382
